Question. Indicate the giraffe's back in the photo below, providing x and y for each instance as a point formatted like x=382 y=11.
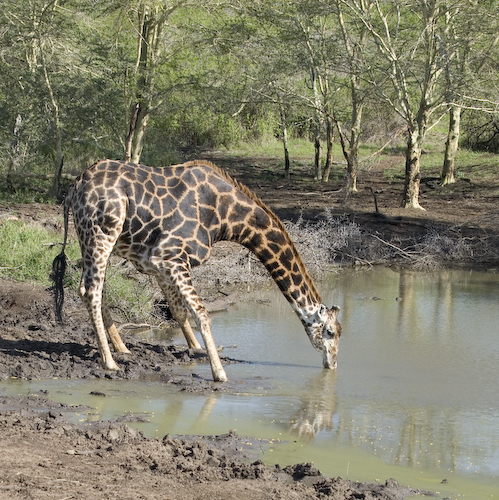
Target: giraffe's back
x=165 y=211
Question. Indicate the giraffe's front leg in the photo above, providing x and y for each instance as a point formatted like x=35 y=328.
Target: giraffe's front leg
x=217 y=369
x=179 y=279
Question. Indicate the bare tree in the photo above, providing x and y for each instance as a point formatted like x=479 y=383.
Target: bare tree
x=39 y=47
x=412 y=67
x=152 y=19
x=355 y=44
x=467 y=47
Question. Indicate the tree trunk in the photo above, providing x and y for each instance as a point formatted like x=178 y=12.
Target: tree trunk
x=356 y=129
x=14 y=158
x=412 y=171
x=451 y=145
x=351 y=155
x=351 y=181
x=131 y=132
x=318 y=154
x=317 y=138
x=147 y=53
x=54 y=107
x=284 y=128
x=329 y=149
x=140 y=132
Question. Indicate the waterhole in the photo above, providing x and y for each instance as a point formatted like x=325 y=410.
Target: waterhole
x=415 y=395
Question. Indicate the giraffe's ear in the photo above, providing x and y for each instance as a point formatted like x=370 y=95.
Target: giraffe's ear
x=335 y=310
x=322 y=313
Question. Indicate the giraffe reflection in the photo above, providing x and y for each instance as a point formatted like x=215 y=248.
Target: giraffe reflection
x=317 y=407
x=165 y=221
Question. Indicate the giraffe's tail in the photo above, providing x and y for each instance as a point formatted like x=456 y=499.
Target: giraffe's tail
x=58 y=271
x=59 y=264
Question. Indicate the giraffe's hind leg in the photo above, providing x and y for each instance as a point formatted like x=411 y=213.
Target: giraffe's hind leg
x=112 y=331
x=95 y=255
x=178 y=311
x=178 y=276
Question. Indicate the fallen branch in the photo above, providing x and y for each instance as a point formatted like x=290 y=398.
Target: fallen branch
x=139 y=326
x=404 y=253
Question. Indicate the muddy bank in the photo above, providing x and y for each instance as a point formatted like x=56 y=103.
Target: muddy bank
x=43 y=456
x=33 y=345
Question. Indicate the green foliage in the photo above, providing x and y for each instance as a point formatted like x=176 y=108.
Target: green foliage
x=219 y=75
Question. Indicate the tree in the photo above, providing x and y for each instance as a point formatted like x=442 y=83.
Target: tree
x=37 y=32
x=467 y=48
x=56 y=76
x=151 y=34
x=354 y=41
x=405 y=36
x=299 y=36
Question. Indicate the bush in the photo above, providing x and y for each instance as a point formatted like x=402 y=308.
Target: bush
x=481 y=132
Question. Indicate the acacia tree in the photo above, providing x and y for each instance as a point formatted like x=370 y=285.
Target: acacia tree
x=36 y=30
x=405 y=36
x=467 y=49
x=151 y=28
x=58 y=64
x=354 y=39
x=299 y=35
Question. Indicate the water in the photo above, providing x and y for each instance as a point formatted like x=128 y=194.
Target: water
x=414 y=397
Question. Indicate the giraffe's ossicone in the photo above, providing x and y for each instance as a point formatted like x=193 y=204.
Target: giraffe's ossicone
x=165 y=221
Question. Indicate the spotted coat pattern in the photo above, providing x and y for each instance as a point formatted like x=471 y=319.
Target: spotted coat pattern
x=165 y=221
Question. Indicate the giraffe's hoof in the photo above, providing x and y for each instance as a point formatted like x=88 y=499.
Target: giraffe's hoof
x=111 y=366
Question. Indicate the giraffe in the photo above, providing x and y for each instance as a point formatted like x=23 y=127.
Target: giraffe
x=165 y=221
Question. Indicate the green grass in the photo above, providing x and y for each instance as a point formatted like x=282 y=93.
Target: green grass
x=476 y=166
x=27 y=252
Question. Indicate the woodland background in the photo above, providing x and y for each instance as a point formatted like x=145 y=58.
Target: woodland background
x=156 y=81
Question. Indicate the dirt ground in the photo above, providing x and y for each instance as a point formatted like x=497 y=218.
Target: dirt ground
x=43 y=456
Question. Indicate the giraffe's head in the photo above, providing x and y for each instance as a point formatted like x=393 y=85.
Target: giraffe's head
x=324 y=332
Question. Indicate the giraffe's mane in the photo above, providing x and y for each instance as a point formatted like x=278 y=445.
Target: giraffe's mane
x=250 y=194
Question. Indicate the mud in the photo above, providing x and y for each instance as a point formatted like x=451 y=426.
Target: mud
x=43 y=456
x=33 y=345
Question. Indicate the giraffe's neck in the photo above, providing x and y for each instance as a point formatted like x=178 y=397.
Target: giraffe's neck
x=278 y=253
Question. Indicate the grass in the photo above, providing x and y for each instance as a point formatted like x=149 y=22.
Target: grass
x=27 y=252
x=476 y=166
x=300 y=150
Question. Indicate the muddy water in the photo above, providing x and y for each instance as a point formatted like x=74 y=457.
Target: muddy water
x=415 y=395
